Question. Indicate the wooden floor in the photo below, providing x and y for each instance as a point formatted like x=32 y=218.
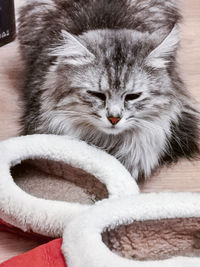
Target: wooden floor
x=185 y=176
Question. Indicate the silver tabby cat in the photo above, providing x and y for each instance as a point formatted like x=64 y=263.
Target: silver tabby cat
x=105 y=71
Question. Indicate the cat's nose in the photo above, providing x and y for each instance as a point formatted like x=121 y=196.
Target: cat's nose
x=114 y=120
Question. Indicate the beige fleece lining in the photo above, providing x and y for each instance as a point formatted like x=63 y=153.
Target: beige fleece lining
x=155 y=239
x=58 y=181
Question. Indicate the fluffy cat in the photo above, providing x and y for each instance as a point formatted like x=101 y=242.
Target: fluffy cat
x=105 y=71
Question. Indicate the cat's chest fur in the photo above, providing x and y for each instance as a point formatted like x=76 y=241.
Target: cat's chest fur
x=139 y=151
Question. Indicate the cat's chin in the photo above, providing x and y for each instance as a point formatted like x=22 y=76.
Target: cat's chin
x=112 y=131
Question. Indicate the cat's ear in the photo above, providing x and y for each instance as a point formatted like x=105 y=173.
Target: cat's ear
x=72 y=51
x=160 y=56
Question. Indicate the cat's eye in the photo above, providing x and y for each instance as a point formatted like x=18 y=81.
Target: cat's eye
x=130 y=97
x=96 y=94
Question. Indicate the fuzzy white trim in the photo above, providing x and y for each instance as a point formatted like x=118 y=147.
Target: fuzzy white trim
x=82 y=236
x=47 y=217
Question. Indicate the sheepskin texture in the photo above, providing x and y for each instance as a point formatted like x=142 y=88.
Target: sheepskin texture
x=63 y=181
x=155 y=239
x=59 y=186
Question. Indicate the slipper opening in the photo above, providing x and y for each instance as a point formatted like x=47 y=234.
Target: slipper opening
x=155 y=240
x=57 y=180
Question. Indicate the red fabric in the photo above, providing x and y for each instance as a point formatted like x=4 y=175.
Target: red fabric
x=5 y=223
x=47 y=255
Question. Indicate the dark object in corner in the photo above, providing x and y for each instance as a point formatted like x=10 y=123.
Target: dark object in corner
x=7 y=21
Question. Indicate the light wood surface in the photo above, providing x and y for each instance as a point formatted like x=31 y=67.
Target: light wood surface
x=184 y=176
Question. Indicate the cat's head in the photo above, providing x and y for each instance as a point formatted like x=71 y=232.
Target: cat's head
x=115 y=80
